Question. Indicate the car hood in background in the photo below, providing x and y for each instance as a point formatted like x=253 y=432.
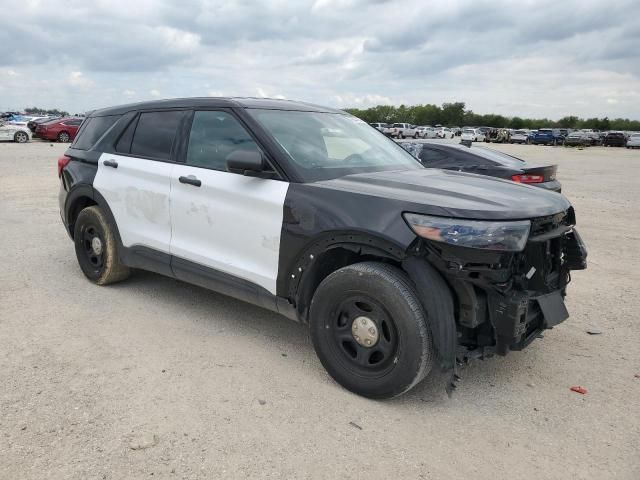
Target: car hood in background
x=453 y=194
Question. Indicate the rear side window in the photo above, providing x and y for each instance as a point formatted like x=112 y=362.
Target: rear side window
x=92 y=129
x=74 y=122
x=436 y=158
x=154 y=134
x=214 y=135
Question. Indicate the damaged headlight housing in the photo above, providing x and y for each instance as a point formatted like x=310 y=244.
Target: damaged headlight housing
x=508 y=236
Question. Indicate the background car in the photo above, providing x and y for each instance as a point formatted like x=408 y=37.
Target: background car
x=484 y=161
x=444 y=132
x=404 y=130
x=63 y=130
x=14 y=133
x=32 y=124
x=472 y=135
x=380 y=126
x=633 y=141
x=519 y=136
x=546 y=136
x=577 y=139
x=614 y=139
x=426 y=132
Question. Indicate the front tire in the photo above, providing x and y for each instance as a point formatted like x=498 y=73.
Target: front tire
x=96 y=248
x=370 y=331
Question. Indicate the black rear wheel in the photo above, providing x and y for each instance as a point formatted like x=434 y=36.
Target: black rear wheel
x=96 y=248
x=370 y=331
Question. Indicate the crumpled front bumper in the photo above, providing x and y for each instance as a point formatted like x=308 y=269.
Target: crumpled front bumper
x=518 y=317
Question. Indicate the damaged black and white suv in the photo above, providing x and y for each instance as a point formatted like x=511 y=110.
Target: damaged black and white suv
x=398 y=270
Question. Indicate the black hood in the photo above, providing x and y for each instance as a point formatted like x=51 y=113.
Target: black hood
x=453 y=194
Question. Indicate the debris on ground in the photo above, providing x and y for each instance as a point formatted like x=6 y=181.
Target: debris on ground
x=144 y=441
x=262 y=402
x=580 y=390
x=593 y=331
x=355 y=425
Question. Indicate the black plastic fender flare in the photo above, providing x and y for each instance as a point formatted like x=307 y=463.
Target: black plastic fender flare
x=439 y=309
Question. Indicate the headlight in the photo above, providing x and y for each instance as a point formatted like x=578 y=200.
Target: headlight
x=510 y=236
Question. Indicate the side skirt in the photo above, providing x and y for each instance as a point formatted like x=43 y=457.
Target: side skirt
x=145 y=258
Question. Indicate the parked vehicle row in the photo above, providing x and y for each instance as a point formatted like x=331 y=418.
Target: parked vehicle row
x=22 y=128
x=542 y=136
x=398 y=269
x=407 y=130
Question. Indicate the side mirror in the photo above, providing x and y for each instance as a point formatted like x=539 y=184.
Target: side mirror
x=249 y=163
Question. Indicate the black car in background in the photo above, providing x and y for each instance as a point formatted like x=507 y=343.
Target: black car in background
x=33 y=124
x=484 y=161
x=614 y=139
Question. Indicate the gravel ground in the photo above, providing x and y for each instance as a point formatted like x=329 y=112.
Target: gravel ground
x=154 y=377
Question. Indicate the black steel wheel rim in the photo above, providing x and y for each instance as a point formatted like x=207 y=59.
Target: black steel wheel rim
x=379 y=357
x=95 y=259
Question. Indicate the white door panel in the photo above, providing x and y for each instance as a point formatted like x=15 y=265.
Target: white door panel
x=138 y=194
x=231 y=223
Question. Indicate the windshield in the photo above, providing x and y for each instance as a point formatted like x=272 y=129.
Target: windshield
x=330 y=145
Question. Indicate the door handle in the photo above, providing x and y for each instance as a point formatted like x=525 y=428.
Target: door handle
x=191 y=180
x=110 y=163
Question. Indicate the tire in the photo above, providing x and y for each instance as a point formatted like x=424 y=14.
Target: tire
x=21 y=137
x=98 y=260
x=63 y=137
x=383 y=298
x=415 y=135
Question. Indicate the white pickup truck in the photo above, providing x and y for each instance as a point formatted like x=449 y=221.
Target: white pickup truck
x=404 y=130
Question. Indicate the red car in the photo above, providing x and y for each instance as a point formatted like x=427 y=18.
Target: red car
x=62 y=129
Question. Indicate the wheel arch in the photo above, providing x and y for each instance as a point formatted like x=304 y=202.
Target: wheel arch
x=84 y=196
x=327 y=254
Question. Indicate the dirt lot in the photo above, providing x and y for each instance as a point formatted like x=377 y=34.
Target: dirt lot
x=154 y=377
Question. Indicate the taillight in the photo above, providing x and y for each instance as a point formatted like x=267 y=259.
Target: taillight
x=528 y=178
x=63 y=161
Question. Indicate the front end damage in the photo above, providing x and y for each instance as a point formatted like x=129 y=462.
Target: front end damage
x=504 y=300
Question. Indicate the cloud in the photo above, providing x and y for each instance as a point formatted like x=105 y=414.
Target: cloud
x=538 y=58
x=78 y=80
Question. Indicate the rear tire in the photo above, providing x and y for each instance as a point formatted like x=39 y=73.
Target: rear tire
x=63 y=137
x=379 y=300
x=21 y=137
x=96 y=248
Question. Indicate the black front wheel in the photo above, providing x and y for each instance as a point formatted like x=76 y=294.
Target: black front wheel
x=370 y=330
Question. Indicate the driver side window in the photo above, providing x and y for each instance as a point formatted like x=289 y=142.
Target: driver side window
x=214 y=135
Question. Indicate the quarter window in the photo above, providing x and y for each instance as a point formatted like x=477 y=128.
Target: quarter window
x=214 y=135
x=155 y=133
x=93 y=129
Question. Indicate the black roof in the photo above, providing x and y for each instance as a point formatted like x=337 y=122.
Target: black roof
x=237 y=102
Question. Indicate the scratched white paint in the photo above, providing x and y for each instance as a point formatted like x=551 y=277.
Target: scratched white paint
x=138 y=195
x=231 y=223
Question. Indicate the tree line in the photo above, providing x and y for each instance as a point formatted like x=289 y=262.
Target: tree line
x=456 y=115
x=44 y=111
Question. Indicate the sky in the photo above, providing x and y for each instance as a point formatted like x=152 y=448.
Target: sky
x=527 y=58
